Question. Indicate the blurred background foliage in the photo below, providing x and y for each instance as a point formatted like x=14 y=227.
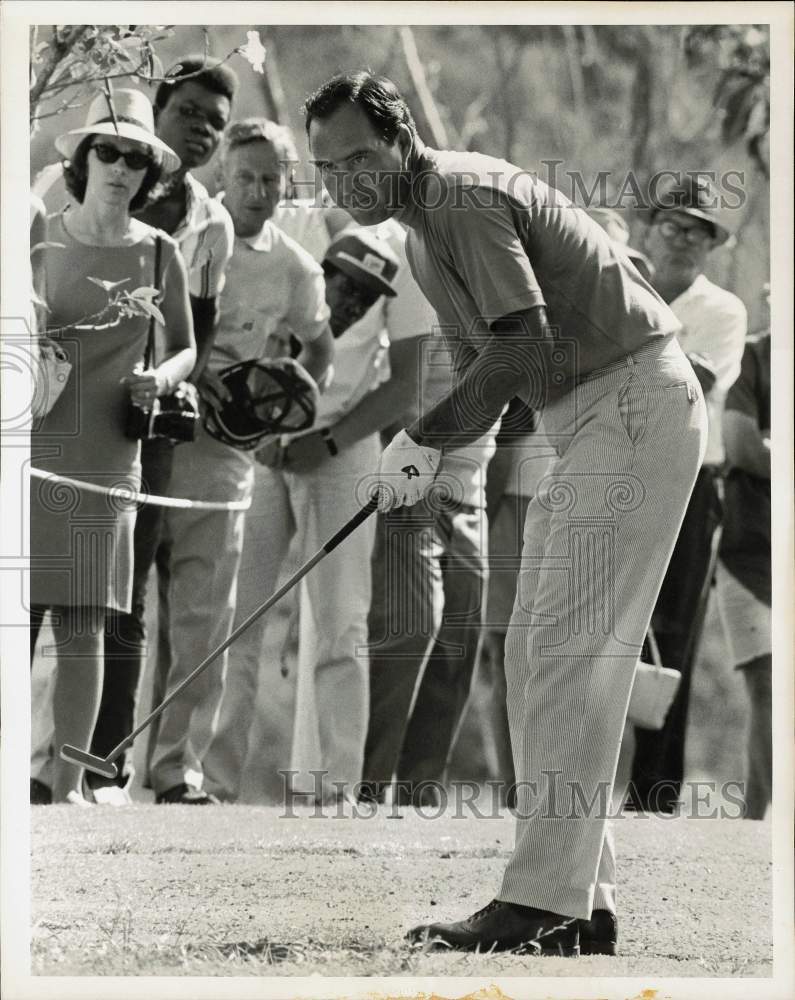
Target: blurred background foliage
x=610 y=99
x=607 y=99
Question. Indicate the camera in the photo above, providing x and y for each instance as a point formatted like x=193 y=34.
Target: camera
x=173 y=416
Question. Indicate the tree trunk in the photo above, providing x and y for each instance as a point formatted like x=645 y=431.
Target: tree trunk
x=429 y=116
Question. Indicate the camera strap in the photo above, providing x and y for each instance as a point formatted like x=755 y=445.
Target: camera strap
x=149 y=353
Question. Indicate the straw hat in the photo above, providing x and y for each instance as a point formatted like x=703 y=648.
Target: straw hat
x=140 y=125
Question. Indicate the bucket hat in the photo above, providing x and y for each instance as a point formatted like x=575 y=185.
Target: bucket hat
x=134 y=120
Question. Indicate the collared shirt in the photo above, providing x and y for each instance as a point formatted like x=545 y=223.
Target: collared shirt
x=714 y=324
x=273 y=290
x=361 y=359
x=206 y=237
x=305 y=221
x=487 y=239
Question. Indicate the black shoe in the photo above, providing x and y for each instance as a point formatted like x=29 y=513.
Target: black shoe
x=599 y=935
x=422 y=795
x=184 y=795
x=501 y=926
x=40 y=794
x=371 y=791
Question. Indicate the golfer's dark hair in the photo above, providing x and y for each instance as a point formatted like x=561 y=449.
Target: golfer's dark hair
x=377 y=96
x=75 y=171
x=209 y=73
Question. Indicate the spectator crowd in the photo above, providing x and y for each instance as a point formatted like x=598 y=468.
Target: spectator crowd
x=253 y=354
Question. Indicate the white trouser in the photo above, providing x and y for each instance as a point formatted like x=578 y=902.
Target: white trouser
x=205 y=548
x=334 y=599
x=598 y=536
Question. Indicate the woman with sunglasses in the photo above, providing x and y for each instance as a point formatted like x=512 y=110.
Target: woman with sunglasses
x=81 y=540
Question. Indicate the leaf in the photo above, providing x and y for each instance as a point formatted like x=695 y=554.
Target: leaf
x=107 y=285
x=151 y=310
x=145 y=292
x=47 y=245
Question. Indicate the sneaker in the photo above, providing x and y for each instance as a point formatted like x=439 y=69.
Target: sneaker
x=112 y=795
x=184 y=795
x=75 y=798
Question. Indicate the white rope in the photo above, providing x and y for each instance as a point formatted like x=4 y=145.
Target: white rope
x=127 y=495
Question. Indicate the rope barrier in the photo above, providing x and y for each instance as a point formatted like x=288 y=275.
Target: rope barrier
x=126 y=495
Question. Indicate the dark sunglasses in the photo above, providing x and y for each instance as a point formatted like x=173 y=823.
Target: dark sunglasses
x=109 y=154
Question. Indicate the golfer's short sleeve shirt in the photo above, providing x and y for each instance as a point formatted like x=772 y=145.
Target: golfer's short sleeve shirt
x=274 y=289
x=488 y=239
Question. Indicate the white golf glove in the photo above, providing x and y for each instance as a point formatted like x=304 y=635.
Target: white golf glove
x=405 y=472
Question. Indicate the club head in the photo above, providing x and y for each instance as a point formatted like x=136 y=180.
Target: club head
x=85 y=759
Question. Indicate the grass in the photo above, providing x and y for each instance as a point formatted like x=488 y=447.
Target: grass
x=148 y=891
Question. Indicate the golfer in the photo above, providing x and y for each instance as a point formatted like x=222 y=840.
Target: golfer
x=535 y=301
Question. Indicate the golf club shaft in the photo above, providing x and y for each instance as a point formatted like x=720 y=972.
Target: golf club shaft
x=358 y=518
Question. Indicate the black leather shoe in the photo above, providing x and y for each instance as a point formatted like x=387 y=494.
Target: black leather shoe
x=184 y=795
x=501 y=926
x=40 y=794
x=599 y=935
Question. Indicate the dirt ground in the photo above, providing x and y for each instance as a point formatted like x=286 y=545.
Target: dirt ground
x=249 y=891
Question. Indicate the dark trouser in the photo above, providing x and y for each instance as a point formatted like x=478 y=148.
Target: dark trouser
x=758 y=676
x=37 y=613
x=125 y=634
x=429 y=577
x=678 y=622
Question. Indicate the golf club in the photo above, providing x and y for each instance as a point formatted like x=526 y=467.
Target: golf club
x=105 y=765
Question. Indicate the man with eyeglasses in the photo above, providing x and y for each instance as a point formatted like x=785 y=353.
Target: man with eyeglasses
x=683 y=231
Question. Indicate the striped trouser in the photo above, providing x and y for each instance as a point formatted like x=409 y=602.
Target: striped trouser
x=598 y=537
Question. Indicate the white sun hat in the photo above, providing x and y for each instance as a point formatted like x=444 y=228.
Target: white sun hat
x=134 y=120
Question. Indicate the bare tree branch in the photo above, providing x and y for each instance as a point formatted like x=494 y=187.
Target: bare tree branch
x=58 y=50
x=428 y=107
x=575 y=67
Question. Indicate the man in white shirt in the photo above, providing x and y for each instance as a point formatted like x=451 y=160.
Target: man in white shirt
x=274 y=290
x=684 y=228
x=307 y=485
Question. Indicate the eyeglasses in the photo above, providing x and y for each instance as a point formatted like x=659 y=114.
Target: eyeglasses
x=695 y=235
x=107 y=153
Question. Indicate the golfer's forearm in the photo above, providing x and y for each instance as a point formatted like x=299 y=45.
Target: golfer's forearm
x=454 y=422
x=510 y=364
